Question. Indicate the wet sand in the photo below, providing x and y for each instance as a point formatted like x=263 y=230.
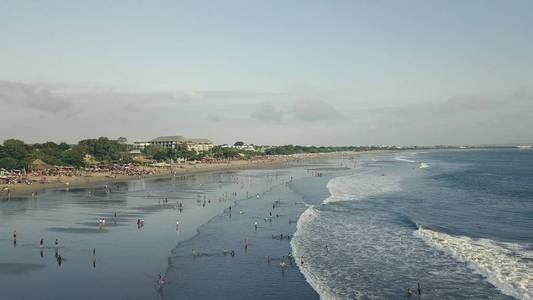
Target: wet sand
x=128 y=258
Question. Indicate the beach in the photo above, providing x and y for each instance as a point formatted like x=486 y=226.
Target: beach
x=376 y=226
x=39 y=183
x=128 y=257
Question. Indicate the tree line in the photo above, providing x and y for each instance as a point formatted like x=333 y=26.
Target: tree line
x=15 y=154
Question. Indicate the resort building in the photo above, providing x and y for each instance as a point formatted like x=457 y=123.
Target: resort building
x=245 y=147
x=172 y=142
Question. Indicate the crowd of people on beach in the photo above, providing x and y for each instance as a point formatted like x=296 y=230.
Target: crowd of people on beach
x=203 y=201
x=65 y=174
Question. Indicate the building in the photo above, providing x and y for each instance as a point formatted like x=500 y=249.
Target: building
x=245 y=147
x=172 y=142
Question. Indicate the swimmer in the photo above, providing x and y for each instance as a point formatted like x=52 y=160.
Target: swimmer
x=255 y=225
x=177 y=225
x=56 y=242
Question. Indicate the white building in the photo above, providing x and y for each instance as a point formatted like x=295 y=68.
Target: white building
x=172 y=142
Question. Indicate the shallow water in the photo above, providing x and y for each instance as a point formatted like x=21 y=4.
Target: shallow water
x=128 y=258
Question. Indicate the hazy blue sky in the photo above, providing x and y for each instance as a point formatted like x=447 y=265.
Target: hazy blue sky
x=268 y=72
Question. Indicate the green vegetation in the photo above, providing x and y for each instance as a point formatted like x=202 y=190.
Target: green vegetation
x=15 y=154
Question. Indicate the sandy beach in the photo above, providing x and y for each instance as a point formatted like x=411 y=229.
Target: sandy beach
x=175 y=170
x=129 y=257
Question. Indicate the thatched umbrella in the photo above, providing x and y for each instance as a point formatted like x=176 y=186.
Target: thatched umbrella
x=38 y=164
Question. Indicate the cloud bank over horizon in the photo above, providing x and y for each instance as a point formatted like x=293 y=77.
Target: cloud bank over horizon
x=71 y=113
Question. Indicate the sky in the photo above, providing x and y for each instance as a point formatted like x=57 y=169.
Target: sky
x=268 y=72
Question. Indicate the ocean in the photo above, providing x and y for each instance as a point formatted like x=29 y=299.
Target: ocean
x=364 y=227
x=461 y=227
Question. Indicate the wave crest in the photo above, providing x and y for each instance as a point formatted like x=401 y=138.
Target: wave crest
x=508 y=266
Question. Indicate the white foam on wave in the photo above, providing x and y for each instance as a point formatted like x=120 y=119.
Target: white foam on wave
x=365 y=183
x=402 y=158
x=507 y=266
x=308 y=216
x=360 y=186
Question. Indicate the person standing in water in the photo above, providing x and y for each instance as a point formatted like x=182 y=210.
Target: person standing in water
x=41 y=243
x=93 y=258
x=419 y=289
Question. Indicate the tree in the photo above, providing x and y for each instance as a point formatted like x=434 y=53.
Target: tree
x=122 y=140
x=224 y=152
x=103 y=149
x=238 y=143
x=156 y=152
x=8 y=163
x=73 y=157
x=15 y=149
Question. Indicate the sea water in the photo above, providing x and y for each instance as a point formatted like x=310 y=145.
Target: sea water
x=461 y=227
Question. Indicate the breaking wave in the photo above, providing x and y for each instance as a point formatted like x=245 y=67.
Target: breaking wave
x=402 y=158
x=360 y=186
x=508 y=266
